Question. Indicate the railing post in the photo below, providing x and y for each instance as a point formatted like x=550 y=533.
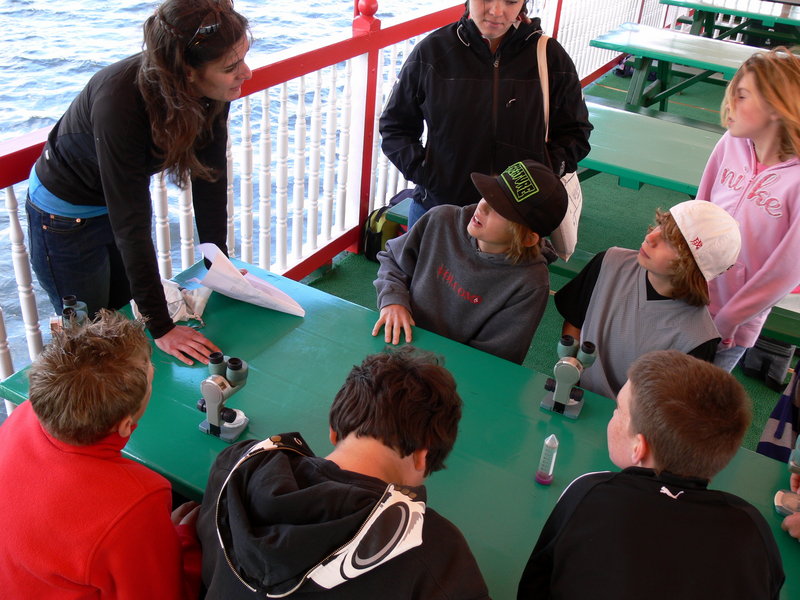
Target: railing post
x=161 y=212
x=229 y=194
x=6 y=364
x=22 y=273
x=265 y=187
x=364 y=93
x=246 y=186
x=186 y=226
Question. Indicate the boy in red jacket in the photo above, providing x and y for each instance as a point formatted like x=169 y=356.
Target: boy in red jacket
x=79 y=520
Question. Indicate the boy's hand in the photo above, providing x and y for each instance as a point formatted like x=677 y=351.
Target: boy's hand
x=792 y=525
x=394 y=318
x=186 y=514
x=794 y=482
x=725 y=344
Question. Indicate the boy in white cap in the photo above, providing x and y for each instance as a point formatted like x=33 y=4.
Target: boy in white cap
x=476 y=274
x=630 y=302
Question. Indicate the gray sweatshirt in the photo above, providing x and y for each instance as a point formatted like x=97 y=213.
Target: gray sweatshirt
x=452 y=288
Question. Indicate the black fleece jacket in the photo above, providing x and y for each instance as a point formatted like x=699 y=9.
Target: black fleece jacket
x=283 y=512
x=101 y=152
x=483 y=111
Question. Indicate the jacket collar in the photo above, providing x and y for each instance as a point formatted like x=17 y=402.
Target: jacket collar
x=516 y=38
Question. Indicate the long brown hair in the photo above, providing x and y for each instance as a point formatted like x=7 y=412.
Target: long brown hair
x=777 y=77
x=180 y=122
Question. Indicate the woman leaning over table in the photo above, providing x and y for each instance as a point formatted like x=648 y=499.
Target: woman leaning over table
x=89 y=207
x=475 y=83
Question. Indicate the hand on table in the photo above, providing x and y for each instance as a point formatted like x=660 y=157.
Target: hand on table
x=186 y=514
x=791 y=524
x=396 y=319
x=185 y=343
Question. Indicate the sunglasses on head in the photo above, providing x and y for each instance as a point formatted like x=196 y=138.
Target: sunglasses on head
x=205 y=30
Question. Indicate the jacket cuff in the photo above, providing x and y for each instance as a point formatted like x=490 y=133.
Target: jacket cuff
x=159 y=328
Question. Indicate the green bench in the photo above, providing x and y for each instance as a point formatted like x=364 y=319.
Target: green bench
x=782 y=324
x=622 y=145
x=399 y=212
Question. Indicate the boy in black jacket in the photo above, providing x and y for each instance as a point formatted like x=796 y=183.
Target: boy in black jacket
x=277 y=520
x=655 y=530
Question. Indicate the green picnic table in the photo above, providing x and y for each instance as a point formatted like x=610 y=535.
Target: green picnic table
x=754 y=17
x=488 y=489
x=666 y=46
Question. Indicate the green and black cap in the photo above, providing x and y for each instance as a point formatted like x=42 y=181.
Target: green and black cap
x=527 y=192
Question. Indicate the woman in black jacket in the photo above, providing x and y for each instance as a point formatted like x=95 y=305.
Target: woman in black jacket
x=475 y=84
x=89 y=207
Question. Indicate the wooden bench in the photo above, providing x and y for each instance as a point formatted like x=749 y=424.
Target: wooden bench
x=622 y=145
x=399 y=212
x=782 y=324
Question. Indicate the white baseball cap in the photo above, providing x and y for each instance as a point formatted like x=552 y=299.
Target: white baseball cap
x=712 y=234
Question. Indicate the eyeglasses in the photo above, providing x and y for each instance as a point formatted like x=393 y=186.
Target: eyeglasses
x=204 y=31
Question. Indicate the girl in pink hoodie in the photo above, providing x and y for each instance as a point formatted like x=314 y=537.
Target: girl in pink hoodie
x=754 y=174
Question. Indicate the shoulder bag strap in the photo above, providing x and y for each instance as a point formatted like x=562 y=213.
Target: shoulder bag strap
x=541 y=59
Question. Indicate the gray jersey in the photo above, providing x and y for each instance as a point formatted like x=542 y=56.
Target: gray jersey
x=625 y=324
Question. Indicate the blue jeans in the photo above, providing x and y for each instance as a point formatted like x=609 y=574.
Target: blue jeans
x=77 y=256
x=728 y=359
x=415 y=212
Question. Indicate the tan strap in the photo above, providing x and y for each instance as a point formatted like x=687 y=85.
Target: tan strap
x=541 y=59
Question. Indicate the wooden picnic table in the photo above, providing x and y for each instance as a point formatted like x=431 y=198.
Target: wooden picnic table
x=666 y=46
x=754 y=14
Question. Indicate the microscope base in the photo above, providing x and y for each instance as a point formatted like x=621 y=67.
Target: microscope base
x=228 y=432
x=570 y=410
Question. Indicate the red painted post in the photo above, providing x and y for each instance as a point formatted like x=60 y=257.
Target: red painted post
x=554 y=34
x=363 y=24
x=365 y=21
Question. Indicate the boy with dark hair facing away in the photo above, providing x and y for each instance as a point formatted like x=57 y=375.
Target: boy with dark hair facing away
x=476 y=274
x=630 y=302
x=79 y=520
x=278 y=521
x=655 y=530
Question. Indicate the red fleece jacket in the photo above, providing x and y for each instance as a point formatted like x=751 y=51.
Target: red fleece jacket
x=83 y=522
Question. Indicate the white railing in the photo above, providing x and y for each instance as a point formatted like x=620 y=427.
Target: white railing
x=298 y=182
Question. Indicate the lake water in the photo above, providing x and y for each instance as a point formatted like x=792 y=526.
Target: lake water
x=51 y=48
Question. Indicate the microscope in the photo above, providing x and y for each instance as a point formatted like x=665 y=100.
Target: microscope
x=794 y=458
x=787 y=502
x=564 y=398
x=227 y=376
